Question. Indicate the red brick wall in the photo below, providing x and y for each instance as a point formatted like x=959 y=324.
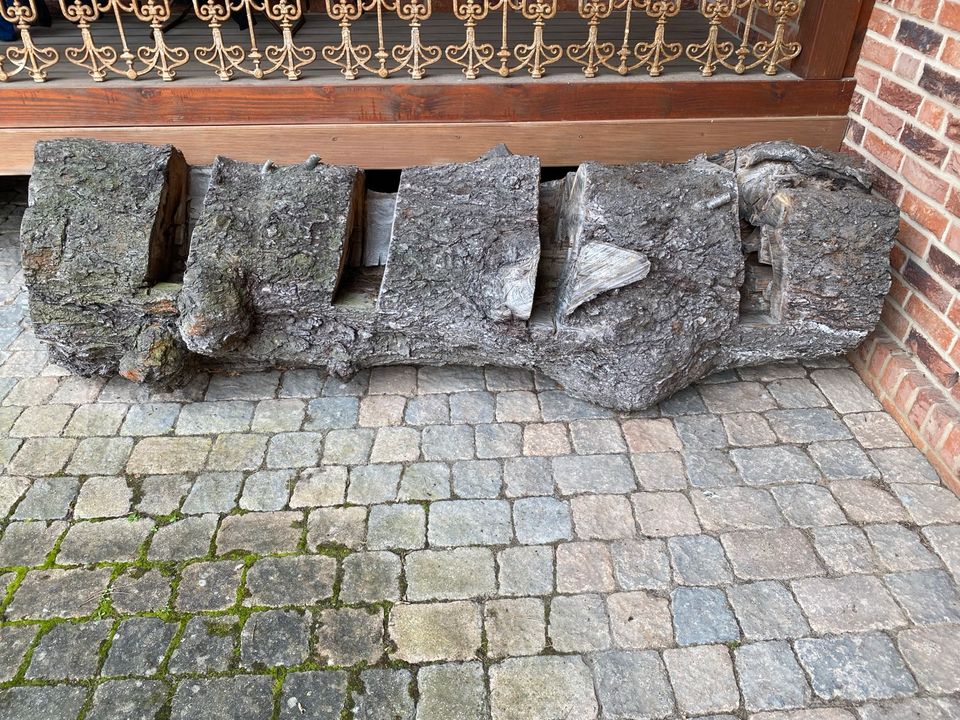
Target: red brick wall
x=905 y=120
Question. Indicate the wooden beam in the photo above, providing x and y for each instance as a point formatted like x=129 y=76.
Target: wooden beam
x=404 y=144
x=866 y=10
x=827 y=30
x=568 y=97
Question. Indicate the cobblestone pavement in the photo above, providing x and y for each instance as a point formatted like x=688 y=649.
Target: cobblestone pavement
x=460 y=543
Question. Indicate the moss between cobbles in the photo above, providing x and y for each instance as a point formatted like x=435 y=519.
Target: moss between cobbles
x=7 y=598
x=43 y=627
x=279 y=675
x=102 y=658
x=339 y=552
x=413 y=689
x=136 y=571
x=167 y=519
x=225 y=629
x=105 y=606
x=302 y=547
x=354 y=687
x=484 y=649
x=248 y=558
x=135 y=483
x=173 y=570
x=55 y=550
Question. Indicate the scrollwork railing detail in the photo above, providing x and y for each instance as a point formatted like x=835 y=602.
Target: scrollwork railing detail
x=96 y=60
x=619 y=36
x=27 y=56
x=159 y=57
x=287 y=56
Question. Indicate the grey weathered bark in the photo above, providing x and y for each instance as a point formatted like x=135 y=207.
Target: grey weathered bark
x=98 y=236
x=459 y=281
x=623 y=283
x=265 y=259
x=465 y=243
x=826 y=240
x=632 y=345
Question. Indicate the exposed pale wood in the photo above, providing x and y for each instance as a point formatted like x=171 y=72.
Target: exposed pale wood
x=403 y=144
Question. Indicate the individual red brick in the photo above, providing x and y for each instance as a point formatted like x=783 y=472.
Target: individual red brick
x=955 y=394
x=945 y=266
x=894 y=320
x=954 y=312
x=882 y=352
x=932 y=186
x=951 y=52
x=887 y=186
x=867 y=78
x=883 y=151
x=941 y=420
x=907 y=67
x=950 y=450
x=883 y=22
x=931 y=115
x=848 y=147
x=953 y=202
x=942 y=370
x=765 y=22
x=952 y=238
x=949 y=16
x=898 y=257
x=935 y=293
x=896 y=368
x=933 y=326
x=952 y=165
x=910 y=384
x=878 y=52
x=885 y=120
x=919 y=37
x=922 y=143
x=955 y=355
x=922 y=404
x=953 y=128
x=940 y=83
x=898 y=291
x=899 y=96
x=912 y=239
x=924 y=214
x=926 y=9
x=855 y=133
x=857 y=102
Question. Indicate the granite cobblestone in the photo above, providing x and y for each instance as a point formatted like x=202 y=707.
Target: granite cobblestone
x=462 y=543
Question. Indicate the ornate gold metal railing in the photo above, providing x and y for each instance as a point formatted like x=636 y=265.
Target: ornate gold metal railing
x=619 y=36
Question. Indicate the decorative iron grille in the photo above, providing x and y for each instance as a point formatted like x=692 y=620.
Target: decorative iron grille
x=734 y=36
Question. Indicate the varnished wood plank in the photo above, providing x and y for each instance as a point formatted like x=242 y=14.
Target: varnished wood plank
x=853 y=57
x=403 y=144
x=567 y=97
x=827 y=30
